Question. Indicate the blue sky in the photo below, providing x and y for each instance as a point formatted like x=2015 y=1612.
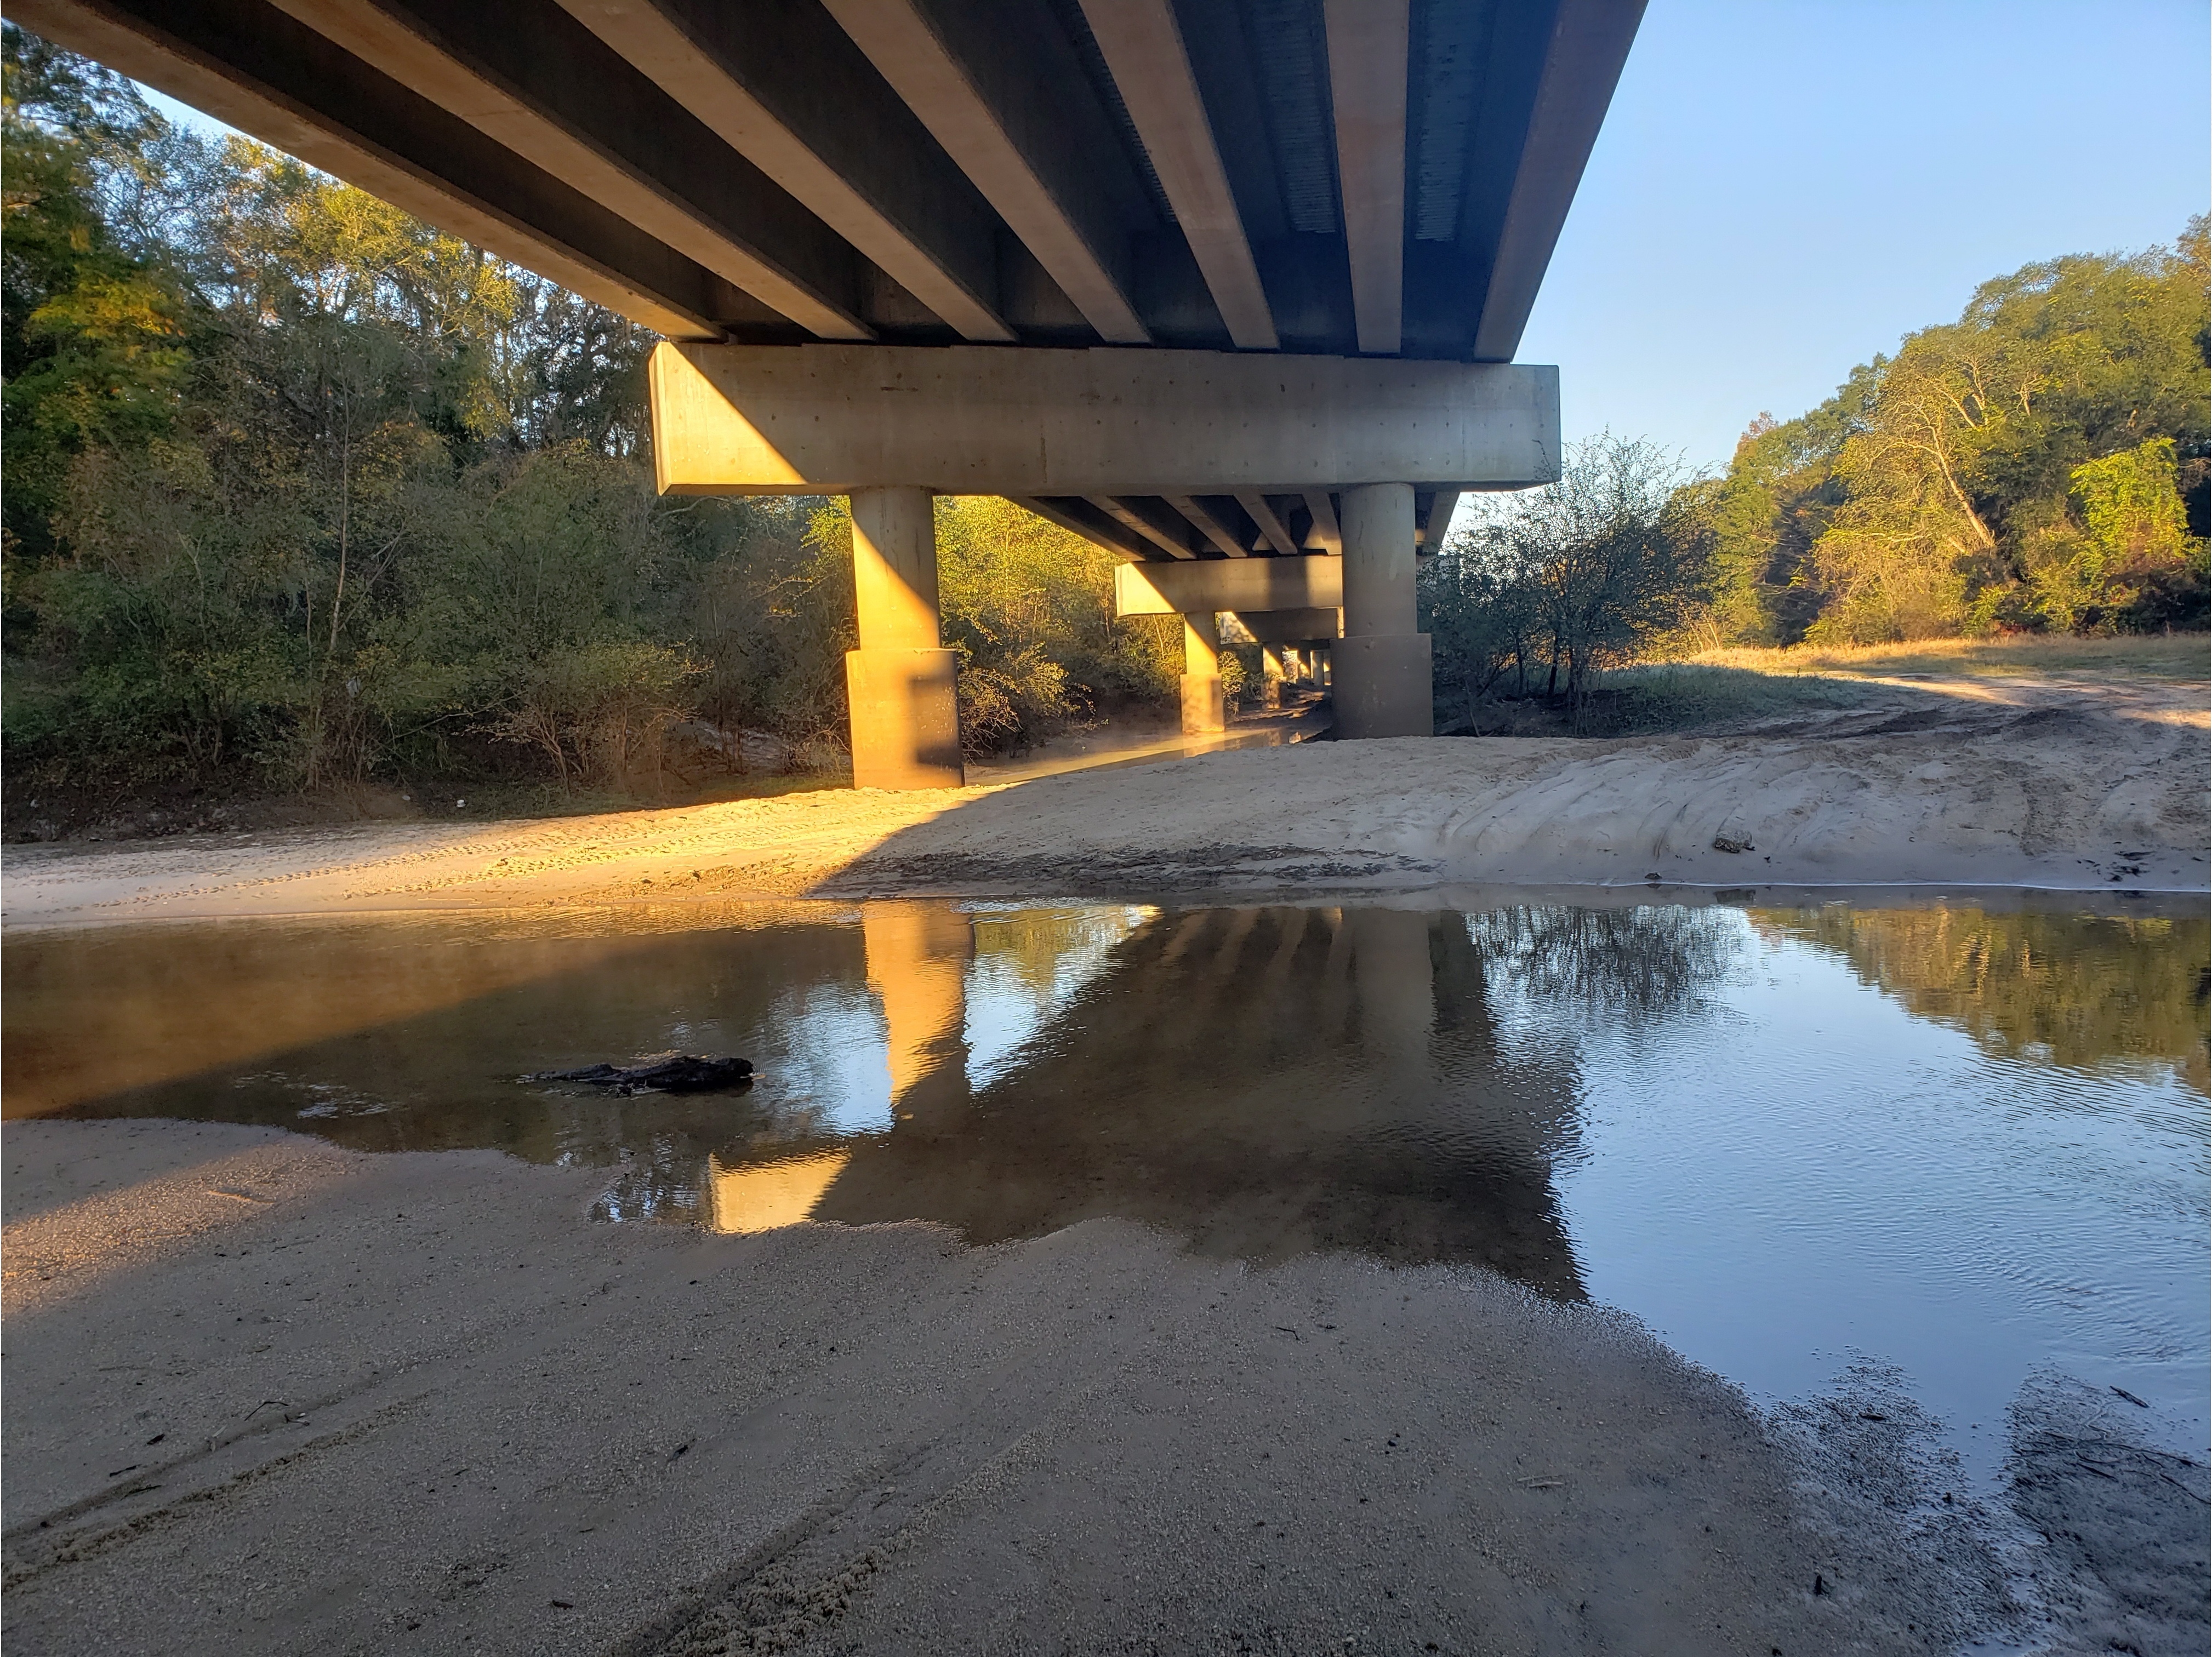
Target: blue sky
x=1785 y=187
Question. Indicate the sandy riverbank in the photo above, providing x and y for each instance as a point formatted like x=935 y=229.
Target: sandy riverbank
x=267 y=1395
x=271 y=1396
x=1994 y=782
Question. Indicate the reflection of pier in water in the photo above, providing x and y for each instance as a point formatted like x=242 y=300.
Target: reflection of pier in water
x=1262 y=1081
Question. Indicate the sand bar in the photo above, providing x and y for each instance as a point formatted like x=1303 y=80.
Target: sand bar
x=1991 y=782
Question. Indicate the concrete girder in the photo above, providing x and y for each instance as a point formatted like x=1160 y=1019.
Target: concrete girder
x=1208 y=523
x=779 y=84
x=1014 y=191
x=971 y=420
x=1219 y=584
x=1590 y=43
x=1437 y=523
x=1270 y=526
x=575 y=109
x=1080 y=517
x=1292 y=627
x=1369 y=44
x=1173 y=541
x=1000 y=122
x=1324 y=533
x=1143 y=47
x=252 y=67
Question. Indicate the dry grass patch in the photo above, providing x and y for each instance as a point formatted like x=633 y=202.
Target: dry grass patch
x=2164 y=656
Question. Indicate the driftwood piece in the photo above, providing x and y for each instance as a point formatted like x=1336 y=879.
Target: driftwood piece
x=659 y=1072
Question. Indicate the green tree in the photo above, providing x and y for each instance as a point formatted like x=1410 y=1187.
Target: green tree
x=1936 y=493
x=2121 y=558
x=1573 y=578
x=92 y=338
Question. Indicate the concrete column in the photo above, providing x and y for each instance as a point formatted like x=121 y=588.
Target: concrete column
x=1381 y=663
x=1274 y=671
x=905 y=713
x=1202 y=712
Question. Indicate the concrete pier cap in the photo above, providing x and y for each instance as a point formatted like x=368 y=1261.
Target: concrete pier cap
x=974 y=420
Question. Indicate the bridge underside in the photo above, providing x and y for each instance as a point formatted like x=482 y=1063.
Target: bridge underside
x=1208 y=282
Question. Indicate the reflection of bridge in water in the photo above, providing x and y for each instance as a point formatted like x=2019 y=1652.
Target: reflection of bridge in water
x=1262 y=1081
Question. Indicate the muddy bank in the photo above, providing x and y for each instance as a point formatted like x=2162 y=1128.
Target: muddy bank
x=272 y=1396
x=2055 y=787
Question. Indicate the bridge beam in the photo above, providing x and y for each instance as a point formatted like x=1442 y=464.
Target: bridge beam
x=1004 y=95
x=542 y=87
x=784 y=86
x=1290 y=627
x=248 y=64
x=1241 y=585
x=1143 y=46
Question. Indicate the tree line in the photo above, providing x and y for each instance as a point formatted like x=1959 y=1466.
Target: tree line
x=302 y=493
x=2038 y=465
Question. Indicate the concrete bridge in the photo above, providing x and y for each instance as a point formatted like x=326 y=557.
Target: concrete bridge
x=1233 y=287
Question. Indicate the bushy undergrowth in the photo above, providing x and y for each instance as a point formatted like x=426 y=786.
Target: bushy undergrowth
x=303 y=495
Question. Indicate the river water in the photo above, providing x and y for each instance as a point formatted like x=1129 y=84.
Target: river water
x=1959 y=1145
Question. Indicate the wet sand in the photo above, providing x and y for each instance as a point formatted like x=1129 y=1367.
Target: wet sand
x=267 y=1395
x=1987 y=782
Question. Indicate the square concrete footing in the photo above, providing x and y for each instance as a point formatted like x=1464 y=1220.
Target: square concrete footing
x=906 y=717
x=1203 y=715
x=1383 y=686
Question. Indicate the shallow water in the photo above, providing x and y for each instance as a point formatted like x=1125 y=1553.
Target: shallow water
x=1968 y=1142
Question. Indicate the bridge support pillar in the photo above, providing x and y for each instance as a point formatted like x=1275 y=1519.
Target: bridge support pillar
x=901 y=682
x=1380 y=664
x=1202 y=712
x=1275 y=669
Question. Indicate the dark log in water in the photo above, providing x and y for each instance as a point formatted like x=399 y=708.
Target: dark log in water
x=659 y=1072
